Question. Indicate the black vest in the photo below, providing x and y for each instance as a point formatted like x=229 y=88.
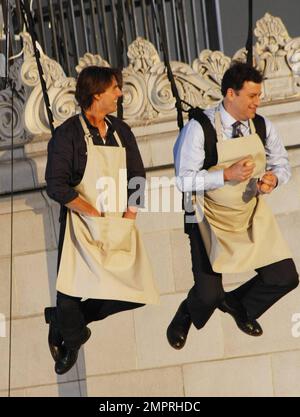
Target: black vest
x=210 y=135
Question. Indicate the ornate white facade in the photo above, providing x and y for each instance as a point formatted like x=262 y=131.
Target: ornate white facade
x=134 y=358
x=147 y=93
x=13 y=100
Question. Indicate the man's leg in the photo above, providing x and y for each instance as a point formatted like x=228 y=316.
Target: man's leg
x=207 y=292
x=270 y=284
x=55 y=340
x=202 y=299
x=72 y=327
x=94 y=310
x=70 y=319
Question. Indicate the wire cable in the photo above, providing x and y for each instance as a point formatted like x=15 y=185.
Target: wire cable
x=163 y=42
x=29 y=24
x=249 y=43
x=11 y=237
x=120 y=50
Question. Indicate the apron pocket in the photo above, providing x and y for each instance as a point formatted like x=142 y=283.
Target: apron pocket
x=119 y=233
x=109 y=233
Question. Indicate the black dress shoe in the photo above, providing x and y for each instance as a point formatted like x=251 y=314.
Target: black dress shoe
x=179 y=327
x=68 y=360
x=55 y=340
x=232 y=306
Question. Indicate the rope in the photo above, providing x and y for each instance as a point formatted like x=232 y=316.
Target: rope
x=120 y=51
x=29 y=24
x=11 y=235
x=163 y=42
x=7 y=36
x=249 y=44
x=10 y=83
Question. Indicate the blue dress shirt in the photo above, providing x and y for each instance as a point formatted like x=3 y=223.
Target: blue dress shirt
x=189 y=153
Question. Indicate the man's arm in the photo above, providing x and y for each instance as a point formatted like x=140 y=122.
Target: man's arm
x=59 y=167
x=83 y=207
x=59 y=173
x=189 y=157
x=136 y=176
x=276 y=154
x=278 y=169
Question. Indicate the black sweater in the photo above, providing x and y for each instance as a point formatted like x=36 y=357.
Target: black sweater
x=67 y=156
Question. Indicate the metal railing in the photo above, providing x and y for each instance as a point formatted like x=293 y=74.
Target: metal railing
x=68 y=29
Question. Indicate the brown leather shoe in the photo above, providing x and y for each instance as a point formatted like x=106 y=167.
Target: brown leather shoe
x=179 y=327
x=234 y=307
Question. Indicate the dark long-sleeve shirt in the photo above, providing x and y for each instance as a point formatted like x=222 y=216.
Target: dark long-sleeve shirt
x=67 y=157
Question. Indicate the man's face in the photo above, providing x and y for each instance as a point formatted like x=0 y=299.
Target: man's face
x=107 y=101
x=244 y=103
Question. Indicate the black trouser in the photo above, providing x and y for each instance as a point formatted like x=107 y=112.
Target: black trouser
x=257 y=295
x=73 y=315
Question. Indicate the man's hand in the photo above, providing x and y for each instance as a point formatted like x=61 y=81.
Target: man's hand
x=267 y=183
x=130 y=213
x=83 y=207
x=240 y=171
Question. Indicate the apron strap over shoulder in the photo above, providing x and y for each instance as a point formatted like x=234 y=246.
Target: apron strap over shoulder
x=218 y=125
x=115 y=133
x=87 y=133
x=252 y=127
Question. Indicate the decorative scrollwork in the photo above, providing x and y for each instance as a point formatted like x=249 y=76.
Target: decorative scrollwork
x=211 y=65
x=293 y=54
x=60 y=90
x=134 y=93
x=272 y=58
x=142 y=56
x=147 y=95
x=89 y=59
x=272 y=35
x=12 y=109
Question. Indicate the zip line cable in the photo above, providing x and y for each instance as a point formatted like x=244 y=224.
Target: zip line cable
x=10 y=83
x=7 y=37
x=249 y=43
x=29 y=24
x=163 y=42
x=120 y=50
x=11 y=235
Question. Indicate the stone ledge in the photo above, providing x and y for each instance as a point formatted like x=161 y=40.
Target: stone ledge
x=155 y=141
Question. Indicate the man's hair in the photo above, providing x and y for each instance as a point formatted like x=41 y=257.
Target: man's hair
x=94 y=80
x=237 y=74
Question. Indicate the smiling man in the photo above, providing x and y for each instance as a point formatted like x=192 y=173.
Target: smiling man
x=101 y=258
x=228 y=157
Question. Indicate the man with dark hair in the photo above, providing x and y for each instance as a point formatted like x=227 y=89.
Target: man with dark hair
x=102 y=265
x=237 y=74
x=227 y=158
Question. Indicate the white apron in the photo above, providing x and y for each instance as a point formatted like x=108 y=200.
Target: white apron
x=238 y=228
x=104 y=257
